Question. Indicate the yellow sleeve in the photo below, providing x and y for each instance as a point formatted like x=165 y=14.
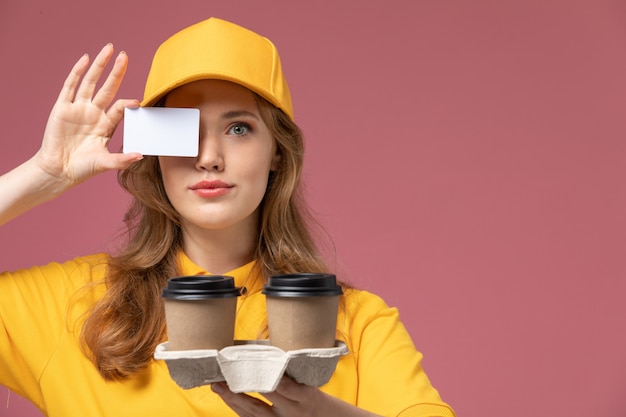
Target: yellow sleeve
x=35 y=312
x=391 y=379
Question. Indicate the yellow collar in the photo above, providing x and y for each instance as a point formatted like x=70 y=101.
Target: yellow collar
x=248 y=275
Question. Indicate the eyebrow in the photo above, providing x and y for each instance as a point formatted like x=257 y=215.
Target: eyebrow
x=239 y=113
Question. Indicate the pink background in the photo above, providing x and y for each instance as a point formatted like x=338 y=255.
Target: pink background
x=467 y=157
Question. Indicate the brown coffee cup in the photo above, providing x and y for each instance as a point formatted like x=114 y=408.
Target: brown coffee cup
x=200 y=311
x=302 y=310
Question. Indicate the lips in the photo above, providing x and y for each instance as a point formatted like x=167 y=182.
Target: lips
x=210 y=185
x=213 y=188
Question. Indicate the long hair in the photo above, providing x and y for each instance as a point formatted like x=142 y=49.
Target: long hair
x=124 y=327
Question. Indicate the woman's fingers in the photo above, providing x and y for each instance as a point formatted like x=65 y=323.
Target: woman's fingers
x=87 y=87
x=71 y=82
x=75 y=89
x=107 y=92
x=244 y=405
x=290 y=391
x=289 y=399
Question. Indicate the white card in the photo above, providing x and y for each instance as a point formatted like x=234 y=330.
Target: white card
x=162 y=131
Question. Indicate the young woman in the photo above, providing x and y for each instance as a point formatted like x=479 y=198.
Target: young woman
x=78 y=337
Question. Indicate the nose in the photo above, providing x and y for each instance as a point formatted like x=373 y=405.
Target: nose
x=210 y=153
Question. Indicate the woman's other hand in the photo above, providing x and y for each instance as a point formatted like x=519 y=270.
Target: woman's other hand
x=289 y=400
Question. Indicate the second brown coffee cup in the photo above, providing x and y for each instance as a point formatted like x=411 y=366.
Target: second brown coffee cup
x=200 y=311
x=302 y=310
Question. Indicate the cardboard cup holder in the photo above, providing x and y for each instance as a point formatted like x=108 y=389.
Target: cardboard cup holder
x=250 y=365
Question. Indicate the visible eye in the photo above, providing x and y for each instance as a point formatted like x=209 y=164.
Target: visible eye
x=239 y=129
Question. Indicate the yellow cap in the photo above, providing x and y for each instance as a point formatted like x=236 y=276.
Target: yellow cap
x=217 y=49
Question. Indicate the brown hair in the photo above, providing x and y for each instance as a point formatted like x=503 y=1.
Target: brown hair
x=126 y=324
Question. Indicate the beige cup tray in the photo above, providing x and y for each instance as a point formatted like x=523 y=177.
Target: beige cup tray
x=250 y=365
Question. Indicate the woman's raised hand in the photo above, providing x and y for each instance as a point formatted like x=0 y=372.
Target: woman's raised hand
x=83 y=120
x=74 y=145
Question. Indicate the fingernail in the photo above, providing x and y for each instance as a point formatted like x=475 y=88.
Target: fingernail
x=218 y=388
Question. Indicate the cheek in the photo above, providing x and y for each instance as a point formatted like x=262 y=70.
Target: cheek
x=260 y=168
x=255 y=176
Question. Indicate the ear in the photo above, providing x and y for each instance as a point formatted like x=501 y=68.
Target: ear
x=275 y=160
